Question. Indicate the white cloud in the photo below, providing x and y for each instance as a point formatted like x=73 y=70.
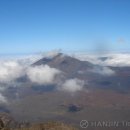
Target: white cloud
x=113 y=59
x=106 y=71
x=49 y=54
x=12 y=68
x=52 y=53
x=92 y=58
x=72 y=85
x=42 y=74
x=2 y=99
x=2 y=88
x=119 y=60
x=9 y=71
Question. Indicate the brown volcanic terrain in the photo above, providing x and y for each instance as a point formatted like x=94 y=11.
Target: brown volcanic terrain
x=92 y=105
x=103 y=98
x=113 y=106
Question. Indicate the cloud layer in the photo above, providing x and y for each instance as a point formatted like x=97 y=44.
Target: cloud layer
x=43 y=75
x=113 y=59
x=72 y=85
x=2 y=99
x=10 y=70
x=105 y=71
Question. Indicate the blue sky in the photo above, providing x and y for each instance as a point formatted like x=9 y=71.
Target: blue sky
x=28 y=26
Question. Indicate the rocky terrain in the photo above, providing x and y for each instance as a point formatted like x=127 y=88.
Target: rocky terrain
x=78 y=90
x=8 y=123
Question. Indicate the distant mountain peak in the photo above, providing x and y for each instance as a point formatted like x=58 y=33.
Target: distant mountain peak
x=46 y=60
x=65 y=63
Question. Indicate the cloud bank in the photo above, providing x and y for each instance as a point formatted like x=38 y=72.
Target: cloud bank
x=72 y=85
x=112 y=59
x=14 y=68
x=10 y=70
x=2 y=99
x=42 y=75
x=51 y=54
x=105 y=71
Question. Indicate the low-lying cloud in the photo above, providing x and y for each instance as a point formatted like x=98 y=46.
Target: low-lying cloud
x=105 y=71
x=2 y=99
x=51 y=54
x=118 y=60
x=9 y=71
x=112 y=59
x=72 y=85
x=12 y=69
x=42 y=75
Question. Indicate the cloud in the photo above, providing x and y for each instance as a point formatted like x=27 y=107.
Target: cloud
x=43 y=75
x=2 y=99
x=118 y=60
x=52 y=53
x=15 y=67
x=112 y=59
x=9 y=71
x=106 y=71
x=12 y=68
x=93 y=58
x=72 y=85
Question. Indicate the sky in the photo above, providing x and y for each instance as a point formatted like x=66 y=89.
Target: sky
x=28 y=26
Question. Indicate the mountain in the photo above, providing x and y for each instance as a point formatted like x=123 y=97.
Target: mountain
x=104 y=95
x=95 y=75
x=65 y=63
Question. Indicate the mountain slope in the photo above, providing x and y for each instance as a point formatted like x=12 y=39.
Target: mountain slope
x=65 y=63
x=95 y=75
